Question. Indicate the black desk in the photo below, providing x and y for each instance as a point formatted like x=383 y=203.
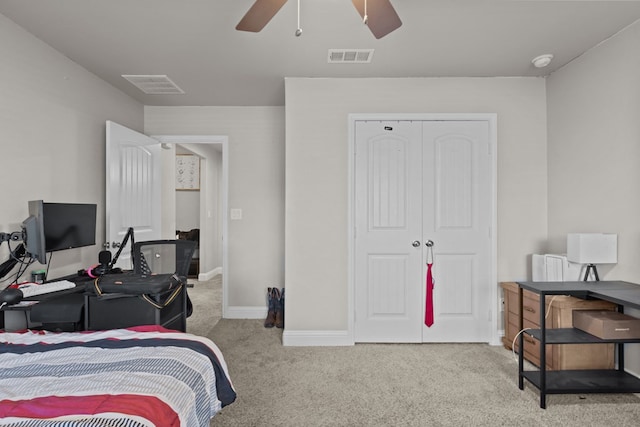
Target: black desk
x=76 y=309
x=60 y=310
x=577 y=381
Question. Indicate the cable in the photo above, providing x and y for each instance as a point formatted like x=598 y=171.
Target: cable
x=23 y=266
x=46 y=274
x=18 y=255
x=513 y=344
x=549 y=308
x=546 y=315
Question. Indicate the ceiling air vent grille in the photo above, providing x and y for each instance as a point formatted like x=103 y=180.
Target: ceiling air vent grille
x=350 y=56
x=154 y=84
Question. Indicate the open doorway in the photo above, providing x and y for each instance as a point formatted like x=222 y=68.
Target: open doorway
x=188 y=203
x=208 y=197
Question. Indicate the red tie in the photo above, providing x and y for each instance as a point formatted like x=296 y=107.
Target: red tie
x=428 y=314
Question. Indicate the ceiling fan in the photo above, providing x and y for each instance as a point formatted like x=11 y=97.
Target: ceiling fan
x=378 y=15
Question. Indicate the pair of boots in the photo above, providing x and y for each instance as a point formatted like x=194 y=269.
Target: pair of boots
x=275 y=315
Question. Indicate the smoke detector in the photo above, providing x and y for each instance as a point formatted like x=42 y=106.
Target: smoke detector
x=542 y=60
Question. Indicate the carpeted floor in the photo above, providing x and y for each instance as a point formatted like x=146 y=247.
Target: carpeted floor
x=387 y=384
x=206 y=298
x=392 y=385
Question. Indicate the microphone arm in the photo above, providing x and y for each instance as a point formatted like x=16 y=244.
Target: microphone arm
x=122 y=245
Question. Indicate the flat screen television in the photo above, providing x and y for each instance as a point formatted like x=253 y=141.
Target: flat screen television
x=57 y=226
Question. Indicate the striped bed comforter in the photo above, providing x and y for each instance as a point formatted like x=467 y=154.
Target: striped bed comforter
x=141 y=376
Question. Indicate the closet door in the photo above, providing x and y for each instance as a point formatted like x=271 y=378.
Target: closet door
x=457 y=218
x=388 y=221
x=417 y=181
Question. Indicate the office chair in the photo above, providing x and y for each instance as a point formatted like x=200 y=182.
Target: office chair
x=163 y=256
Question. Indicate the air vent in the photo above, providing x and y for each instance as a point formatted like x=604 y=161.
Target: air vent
x=154 y=84
x=350 y=56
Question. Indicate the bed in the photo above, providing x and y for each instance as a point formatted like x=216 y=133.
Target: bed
x=134 y=377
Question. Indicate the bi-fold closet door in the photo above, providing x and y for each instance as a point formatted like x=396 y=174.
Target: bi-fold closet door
x=418 y=181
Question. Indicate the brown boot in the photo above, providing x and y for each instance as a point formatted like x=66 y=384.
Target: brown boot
x=280 y=309
x=270 y=321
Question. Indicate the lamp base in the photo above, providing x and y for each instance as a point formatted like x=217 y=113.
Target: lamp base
x=595 y=273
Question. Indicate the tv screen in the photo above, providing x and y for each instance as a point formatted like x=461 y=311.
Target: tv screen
x=68 y=225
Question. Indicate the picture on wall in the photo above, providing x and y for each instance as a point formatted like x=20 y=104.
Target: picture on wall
x=187 y=172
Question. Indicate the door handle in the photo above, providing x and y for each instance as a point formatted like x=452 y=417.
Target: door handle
x=416 y=244
x=429 y=243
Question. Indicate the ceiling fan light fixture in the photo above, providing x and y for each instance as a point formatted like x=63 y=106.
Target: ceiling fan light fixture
x=365 y=18
x=378 y=15
x=542 y=60
x=298 y=30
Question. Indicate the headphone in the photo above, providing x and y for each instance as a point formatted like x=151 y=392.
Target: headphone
x=100 y=269
x=96 y=271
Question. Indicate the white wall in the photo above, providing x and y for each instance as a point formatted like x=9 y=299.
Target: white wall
x=52 y=135
x=256 y=185
x=594 y=153
x=317 y=164
x=187 y=210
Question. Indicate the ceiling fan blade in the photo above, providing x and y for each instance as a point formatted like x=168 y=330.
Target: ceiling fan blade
x=381 y=16
x=259 y=15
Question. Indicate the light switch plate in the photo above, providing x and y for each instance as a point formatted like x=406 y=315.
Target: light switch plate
x=236 y=213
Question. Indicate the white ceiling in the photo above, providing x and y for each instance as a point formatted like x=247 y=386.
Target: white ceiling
x=195 y=43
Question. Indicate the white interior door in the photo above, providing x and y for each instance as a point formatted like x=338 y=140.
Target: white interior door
x=388 y=220
x=133 y=188
x=417 y=181
x=457 y=218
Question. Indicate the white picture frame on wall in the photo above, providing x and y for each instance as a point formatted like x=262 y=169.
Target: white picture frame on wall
x=187 y=172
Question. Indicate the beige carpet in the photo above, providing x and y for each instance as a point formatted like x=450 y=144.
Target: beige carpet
x=206 y=298
x=391 y=385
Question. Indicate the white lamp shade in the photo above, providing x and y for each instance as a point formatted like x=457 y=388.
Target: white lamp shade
x=592 y=248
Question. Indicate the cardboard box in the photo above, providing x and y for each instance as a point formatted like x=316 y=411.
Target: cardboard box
x=607 y=324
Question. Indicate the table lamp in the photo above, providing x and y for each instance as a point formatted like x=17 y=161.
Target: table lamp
x=592 y=249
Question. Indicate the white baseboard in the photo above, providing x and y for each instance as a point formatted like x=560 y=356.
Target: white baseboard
x=293 y=338
x=209 y=274
x=240 y=312
x=316 y=338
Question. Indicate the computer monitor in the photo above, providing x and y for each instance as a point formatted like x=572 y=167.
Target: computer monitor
x=57 y=226
x=33 y=232
x=69 y=225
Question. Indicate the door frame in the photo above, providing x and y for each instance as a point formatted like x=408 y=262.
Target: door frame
x=491 y=118
x=222 y=140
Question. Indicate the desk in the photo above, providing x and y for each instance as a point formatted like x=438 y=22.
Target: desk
x=76 y=309
x=61 y=310
x=578 y=381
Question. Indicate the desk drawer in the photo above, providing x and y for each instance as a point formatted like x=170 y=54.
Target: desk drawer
x=530 y=306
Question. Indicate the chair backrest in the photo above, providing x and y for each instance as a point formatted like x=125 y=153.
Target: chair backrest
x=163 y=256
